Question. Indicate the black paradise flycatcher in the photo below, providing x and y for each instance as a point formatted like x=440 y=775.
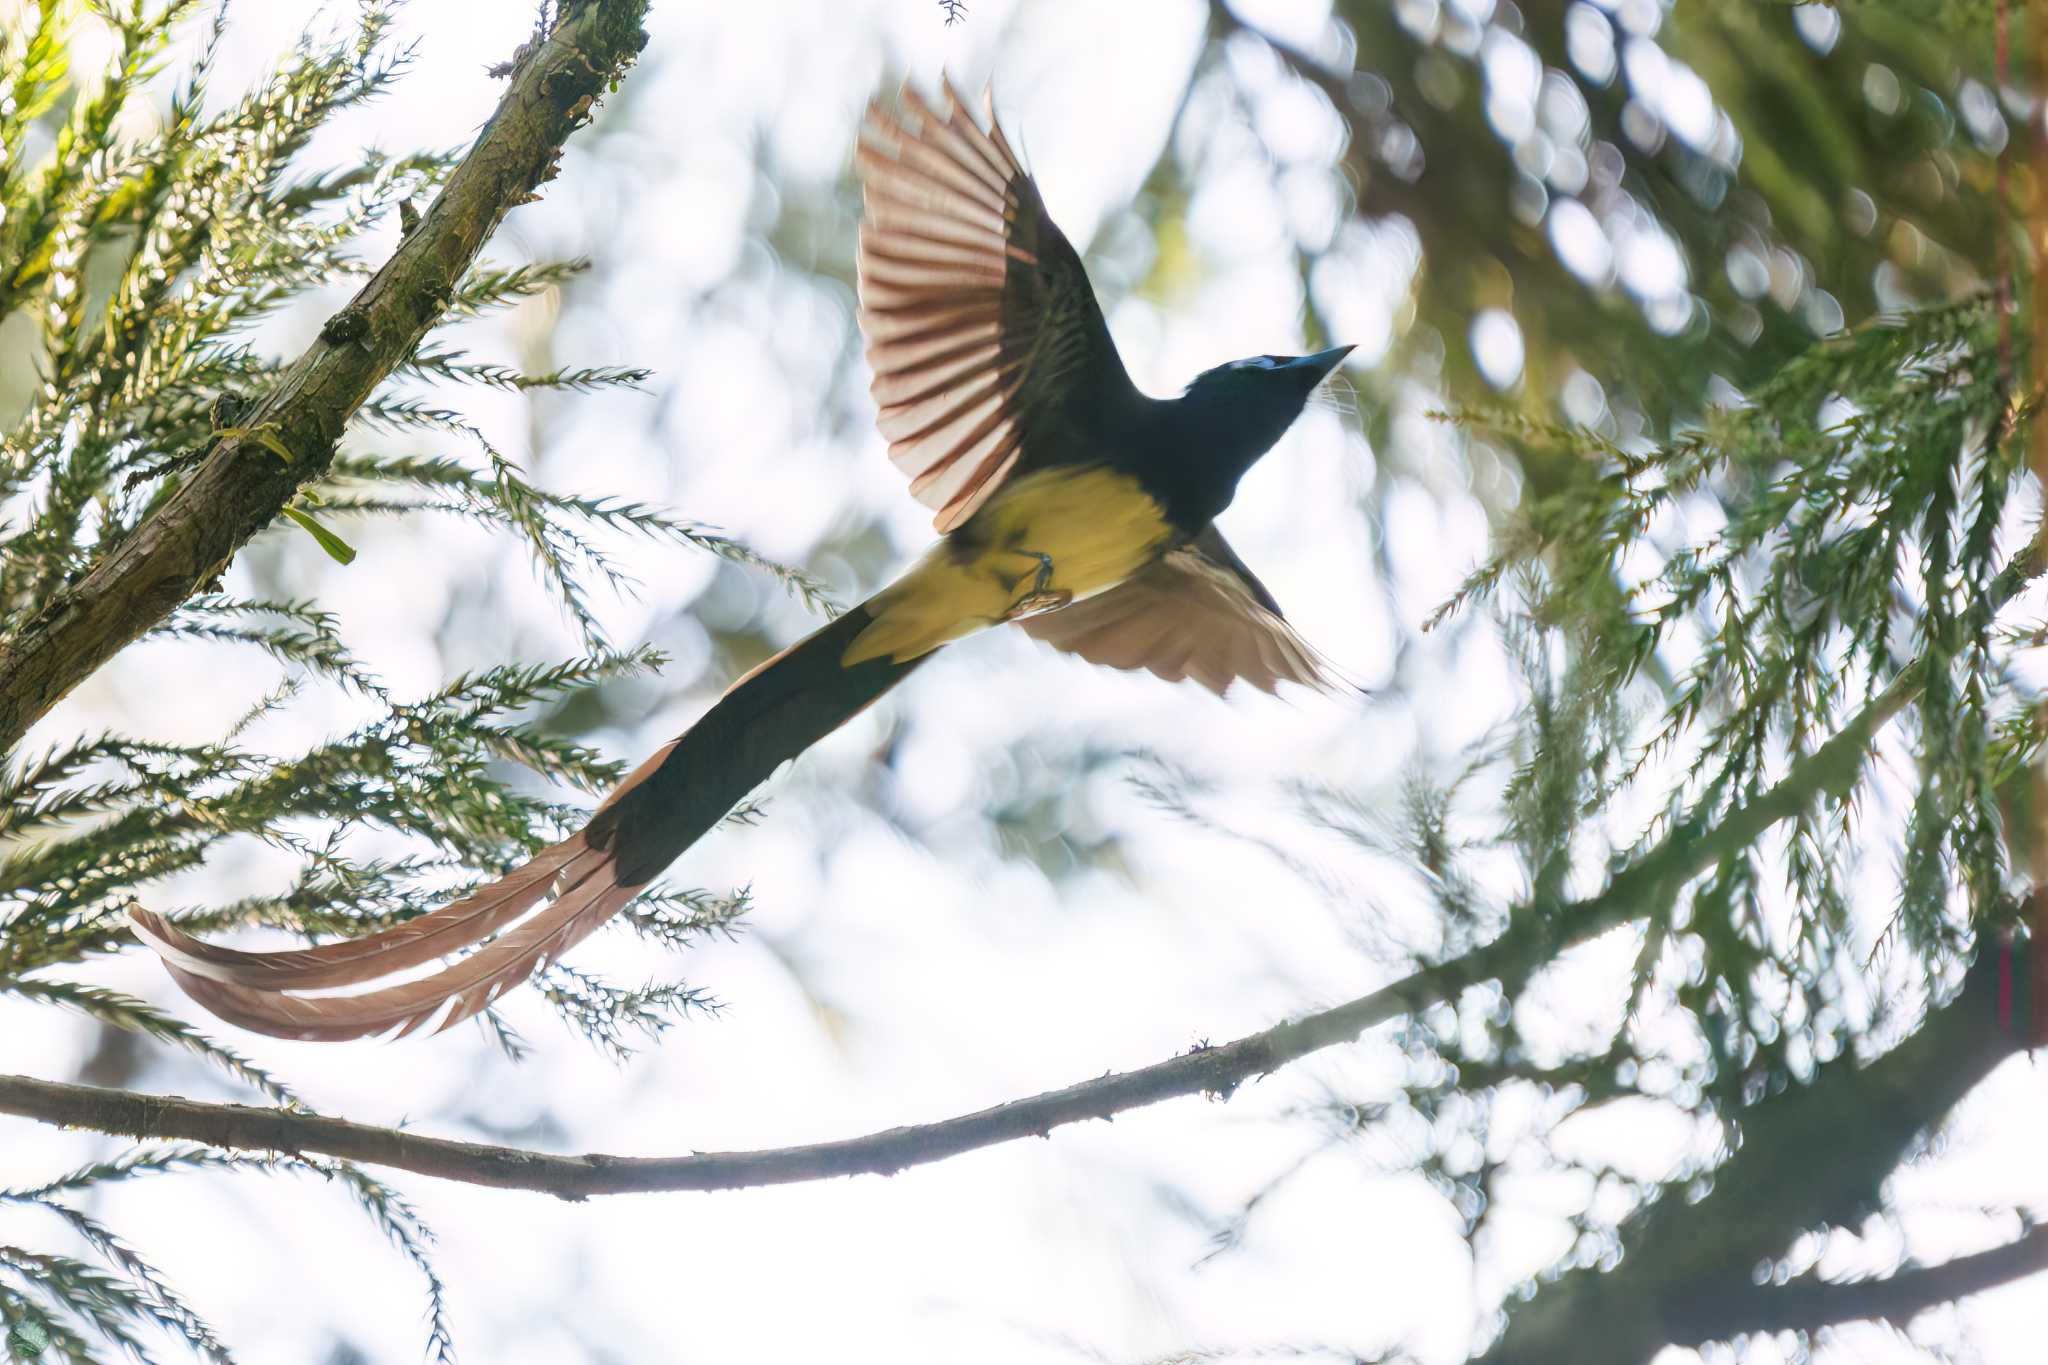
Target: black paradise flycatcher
x=1068 y=502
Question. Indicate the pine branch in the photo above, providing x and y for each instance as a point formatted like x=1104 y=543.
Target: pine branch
x=155 y=1299
x=243 y=486
x=125 y=1012
x=386 y=1209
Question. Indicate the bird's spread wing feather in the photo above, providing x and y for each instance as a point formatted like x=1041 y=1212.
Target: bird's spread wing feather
x=1196 y=613
x=977 y=312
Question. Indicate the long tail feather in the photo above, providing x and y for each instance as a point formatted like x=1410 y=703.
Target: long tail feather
x=417 y=941
x=772 y=714
x=445 y=998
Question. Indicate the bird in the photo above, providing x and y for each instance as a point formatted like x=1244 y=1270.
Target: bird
x=1066 y=501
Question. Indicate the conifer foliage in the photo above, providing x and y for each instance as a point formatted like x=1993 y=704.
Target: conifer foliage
x=143 y=236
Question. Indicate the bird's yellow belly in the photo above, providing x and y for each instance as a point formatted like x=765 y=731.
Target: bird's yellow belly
x=1041 y=540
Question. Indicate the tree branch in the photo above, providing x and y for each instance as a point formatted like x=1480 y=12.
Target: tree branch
x=243 y=486
x=1809 y=1305
x=1206 y=1070
x=1686 y=1273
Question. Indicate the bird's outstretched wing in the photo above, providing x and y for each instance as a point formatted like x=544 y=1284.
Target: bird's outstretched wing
x=978 y=315
x=1197 y=613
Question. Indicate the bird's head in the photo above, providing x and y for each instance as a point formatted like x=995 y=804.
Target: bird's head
x=1282 y=380
x=1239 y=410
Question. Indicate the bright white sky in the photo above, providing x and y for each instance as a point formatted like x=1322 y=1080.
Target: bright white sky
x=908 y=969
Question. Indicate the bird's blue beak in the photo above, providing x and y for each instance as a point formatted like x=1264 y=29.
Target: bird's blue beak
x=1321 y=363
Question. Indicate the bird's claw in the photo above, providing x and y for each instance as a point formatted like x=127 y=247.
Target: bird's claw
x=1041 y=596
x=1041 y=582
x=1032 y=603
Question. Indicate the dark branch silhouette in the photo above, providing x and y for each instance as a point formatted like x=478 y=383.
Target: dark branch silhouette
x=1687 y=1270
x=1206 y=1070
x=1898 y=1298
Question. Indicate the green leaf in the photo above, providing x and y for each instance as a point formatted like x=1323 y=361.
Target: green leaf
x=264 y=434
x=339 y=550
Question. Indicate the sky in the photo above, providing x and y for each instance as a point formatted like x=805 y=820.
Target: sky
x=904 y=963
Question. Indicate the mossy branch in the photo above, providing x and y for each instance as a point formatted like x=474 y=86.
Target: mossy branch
x=243 y=486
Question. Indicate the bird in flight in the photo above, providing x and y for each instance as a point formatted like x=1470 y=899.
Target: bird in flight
x=1067 y=501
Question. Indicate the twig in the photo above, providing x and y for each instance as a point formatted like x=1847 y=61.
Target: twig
x=242 y=486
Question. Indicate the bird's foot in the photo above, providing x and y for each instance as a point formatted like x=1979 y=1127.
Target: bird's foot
x=1041 y=595
x=1041 y=579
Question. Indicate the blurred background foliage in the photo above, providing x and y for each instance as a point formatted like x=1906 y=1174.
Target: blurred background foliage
x=1680 y=333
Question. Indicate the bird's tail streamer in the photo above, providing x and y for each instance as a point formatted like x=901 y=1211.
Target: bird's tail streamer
x=528 y=918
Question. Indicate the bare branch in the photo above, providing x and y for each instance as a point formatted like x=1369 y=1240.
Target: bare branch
x=244 y=484
x=1206 y=1070
x=1898 y=1298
